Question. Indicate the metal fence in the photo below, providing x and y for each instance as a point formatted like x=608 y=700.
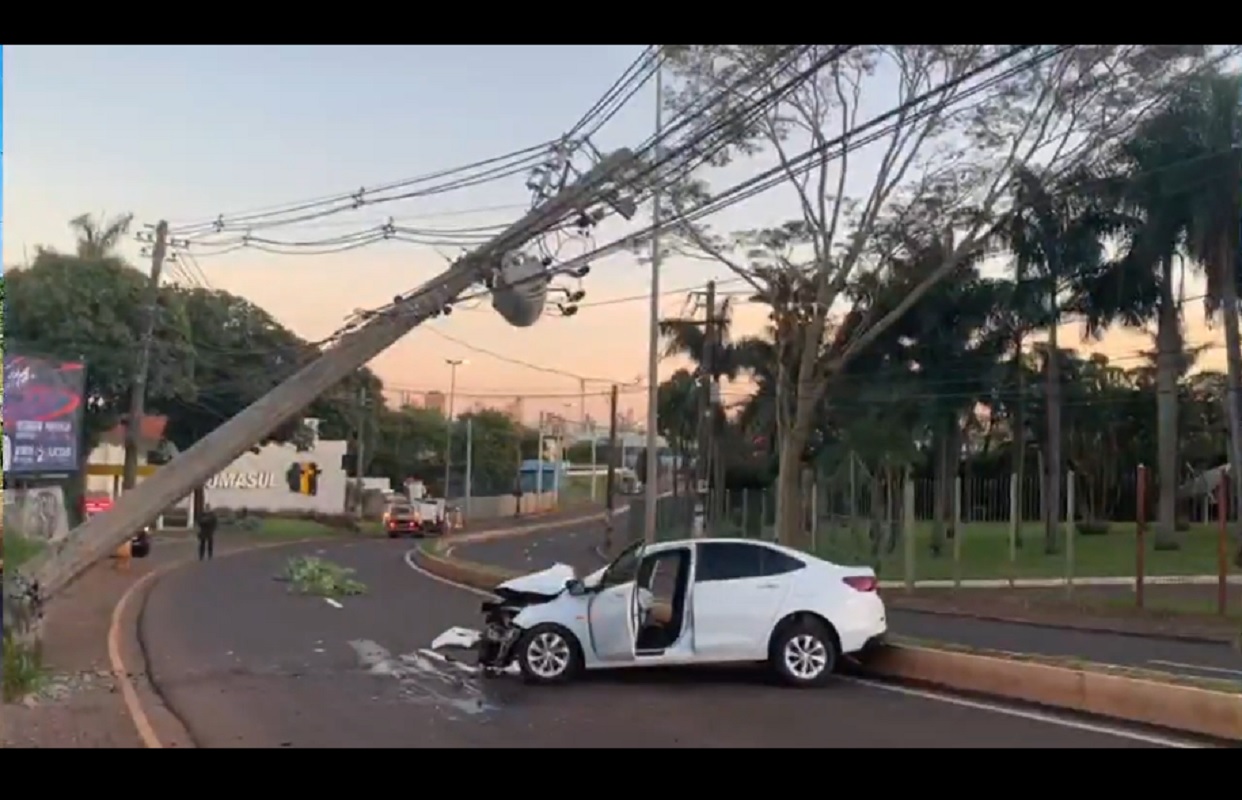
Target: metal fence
x=978 y=531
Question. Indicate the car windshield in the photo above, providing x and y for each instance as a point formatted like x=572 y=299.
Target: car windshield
x=624 y=567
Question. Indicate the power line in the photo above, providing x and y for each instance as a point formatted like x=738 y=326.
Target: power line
x=486 y=169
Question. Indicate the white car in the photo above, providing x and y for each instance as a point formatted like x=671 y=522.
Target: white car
x=698 y=601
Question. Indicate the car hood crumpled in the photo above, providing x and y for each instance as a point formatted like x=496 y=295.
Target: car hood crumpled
x=550 y=581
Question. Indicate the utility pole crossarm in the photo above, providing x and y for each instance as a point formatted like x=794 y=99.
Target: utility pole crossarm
x=100 y=535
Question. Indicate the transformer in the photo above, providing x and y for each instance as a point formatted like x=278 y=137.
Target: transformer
x=520 y=289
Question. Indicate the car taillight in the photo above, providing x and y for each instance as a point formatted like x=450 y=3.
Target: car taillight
x=861 y=583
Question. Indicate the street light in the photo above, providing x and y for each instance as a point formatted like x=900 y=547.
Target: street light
x=453 y=363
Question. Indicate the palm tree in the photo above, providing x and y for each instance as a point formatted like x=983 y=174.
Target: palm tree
x=1055 y=234
x=99 y=238
x=1211 y=107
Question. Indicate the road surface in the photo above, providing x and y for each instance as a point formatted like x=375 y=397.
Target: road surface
x=244 y=663
x=1203 y=660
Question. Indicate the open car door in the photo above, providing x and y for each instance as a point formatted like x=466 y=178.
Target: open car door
x=613 y=609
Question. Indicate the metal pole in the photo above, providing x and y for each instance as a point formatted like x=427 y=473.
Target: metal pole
x=1140 y=543
x=539 y=468
x=1071 y=531
x=453 y=363
x=469 y=464
x=651 y=488
x=593 y=461
x=707 y=417
x=360 y=452
x=610 y=483
x=138 y=388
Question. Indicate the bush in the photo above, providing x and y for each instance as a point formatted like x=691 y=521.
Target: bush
x=23 y=668
x=1094 y=527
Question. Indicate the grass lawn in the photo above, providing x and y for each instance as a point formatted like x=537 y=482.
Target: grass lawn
x=984 y=553
x=277 y=529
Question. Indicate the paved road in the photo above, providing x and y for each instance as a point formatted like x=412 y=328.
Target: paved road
x=246 y=664
x=1217 y=661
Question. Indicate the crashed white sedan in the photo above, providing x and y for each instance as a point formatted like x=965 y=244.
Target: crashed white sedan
x=698 y=601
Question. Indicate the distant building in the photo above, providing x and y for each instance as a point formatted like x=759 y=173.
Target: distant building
x=435 y=401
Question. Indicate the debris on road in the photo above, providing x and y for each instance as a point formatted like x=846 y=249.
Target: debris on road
x=320 y=577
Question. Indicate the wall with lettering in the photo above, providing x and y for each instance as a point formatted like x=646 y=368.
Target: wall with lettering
x=260 y=480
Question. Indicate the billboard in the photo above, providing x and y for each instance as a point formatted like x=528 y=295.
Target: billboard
x=42 y=414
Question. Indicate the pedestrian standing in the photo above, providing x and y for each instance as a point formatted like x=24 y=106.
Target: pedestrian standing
x=207 y=522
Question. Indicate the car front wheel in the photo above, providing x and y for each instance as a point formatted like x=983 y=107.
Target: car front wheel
x=549 y=654
x=804 y=654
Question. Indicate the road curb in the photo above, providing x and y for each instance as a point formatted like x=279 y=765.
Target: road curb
x=167 y=729
x=896 y=604
x=1082 y=689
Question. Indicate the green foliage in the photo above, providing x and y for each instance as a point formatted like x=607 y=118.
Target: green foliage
x=23 y=668
x=320 y=577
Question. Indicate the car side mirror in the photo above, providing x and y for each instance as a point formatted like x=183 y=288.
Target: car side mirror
x=575 y=587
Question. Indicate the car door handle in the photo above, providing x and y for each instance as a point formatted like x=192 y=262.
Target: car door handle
x=769 y=586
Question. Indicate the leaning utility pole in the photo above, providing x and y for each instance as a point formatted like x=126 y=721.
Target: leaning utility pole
x=610 y=484
x=138 y=387
x=58 y=564
x=707 y=417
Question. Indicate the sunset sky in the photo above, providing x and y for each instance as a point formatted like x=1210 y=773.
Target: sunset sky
x=189 y=133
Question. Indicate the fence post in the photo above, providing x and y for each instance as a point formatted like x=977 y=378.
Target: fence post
x=1015 y=519
x=1222 y=544
x=957 y=532
x=1140 y=547
x=908 y=526
x=1071 y=529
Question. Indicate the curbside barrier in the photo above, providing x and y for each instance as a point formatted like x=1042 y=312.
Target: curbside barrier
x=1086 y=690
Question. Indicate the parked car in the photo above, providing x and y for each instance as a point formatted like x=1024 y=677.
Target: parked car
x=697 y=601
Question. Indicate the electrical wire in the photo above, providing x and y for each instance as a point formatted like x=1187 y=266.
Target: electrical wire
x=332 y=204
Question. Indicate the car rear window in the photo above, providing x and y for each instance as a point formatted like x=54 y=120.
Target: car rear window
x=401 y=510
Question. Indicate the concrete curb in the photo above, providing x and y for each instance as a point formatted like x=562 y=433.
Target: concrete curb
x=1090 y=691
x=1086 y=690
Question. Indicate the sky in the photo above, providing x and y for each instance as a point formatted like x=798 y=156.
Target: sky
x=187 y=133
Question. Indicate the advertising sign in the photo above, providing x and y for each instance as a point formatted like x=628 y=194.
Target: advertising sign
x=243 y=480
x=42 y=414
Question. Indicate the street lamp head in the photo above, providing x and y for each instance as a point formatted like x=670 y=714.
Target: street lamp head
x=455 y=362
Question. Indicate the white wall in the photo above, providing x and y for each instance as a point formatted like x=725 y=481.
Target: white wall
x=257 y=480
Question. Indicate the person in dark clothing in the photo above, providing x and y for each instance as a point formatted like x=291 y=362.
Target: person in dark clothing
x=207 y=523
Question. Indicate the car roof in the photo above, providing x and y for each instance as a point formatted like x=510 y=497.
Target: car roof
x=733 y=540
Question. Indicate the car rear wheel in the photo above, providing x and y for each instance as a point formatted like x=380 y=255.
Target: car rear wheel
x=549 y=654
x=804 y=653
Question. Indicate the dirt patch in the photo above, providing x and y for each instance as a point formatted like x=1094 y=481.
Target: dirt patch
x=1176 y=611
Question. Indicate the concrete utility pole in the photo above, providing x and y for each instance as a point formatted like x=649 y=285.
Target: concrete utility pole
x=707 y=417
x=610 y=485
x=652 y=485
x=469 y=489
x=57 y=565
x=138 y=388
x=453 y=363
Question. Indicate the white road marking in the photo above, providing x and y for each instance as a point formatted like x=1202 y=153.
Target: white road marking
x=978 y=705
x=1033 y=716
x=333 y=603
x=1197 y=667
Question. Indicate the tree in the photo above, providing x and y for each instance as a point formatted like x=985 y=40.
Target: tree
x=69 y=307
x=941 y=166
x=496 y=440
x=98 y=239
x=237 y=353
x=408 y=443
x=1055 y=233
